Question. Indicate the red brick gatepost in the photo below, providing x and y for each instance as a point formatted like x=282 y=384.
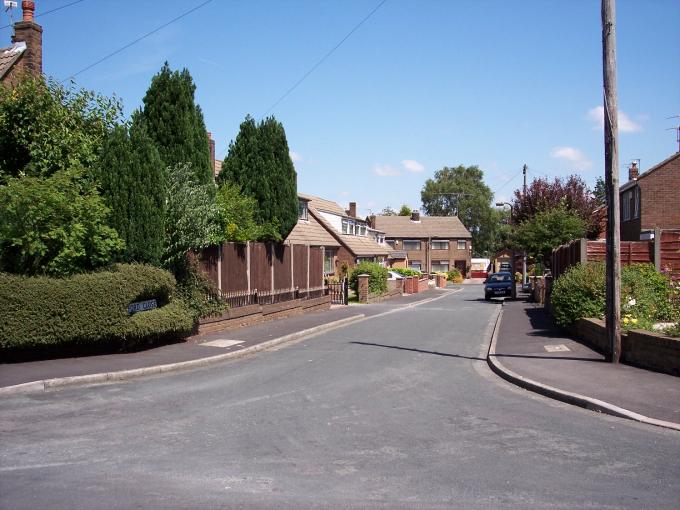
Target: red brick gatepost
x=363 y=288
x=414 y=284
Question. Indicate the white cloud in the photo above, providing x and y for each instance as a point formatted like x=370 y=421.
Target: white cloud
x=295 y=156
x=576 y=159
x=412 y=165
x=626 y=124
x=385 y=170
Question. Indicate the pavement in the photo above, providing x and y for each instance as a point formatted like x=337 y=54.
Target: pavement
x=530 y=351
x=196 y=351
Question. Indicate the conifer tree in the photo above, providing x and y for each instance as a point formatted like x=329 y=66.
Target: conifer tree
x=259 y=162
x=131 y=174
x=175 y=122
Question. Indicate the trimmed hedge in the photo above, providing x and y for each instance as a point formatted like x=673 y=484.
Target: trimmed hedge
x=89 y=312
x=377 y=277
x=406 y=271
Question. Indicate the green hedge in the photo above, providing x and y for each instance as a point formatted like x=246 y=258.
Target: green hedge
x=645 y=295
x=406 y=271
x=89 y=312
x=377 y=277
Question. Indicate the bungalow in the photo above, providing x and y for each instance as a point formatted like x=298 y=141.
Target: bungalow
x=430 y=243
x=347 y=240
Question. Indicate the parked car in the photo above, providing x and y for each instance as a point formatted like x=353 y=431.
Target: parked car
x=499 y=284
x=393 y=275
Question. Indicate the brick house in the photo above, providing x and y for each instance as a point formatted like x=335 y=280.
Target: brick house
x=650 y=199
x=431 y=243
x=24 y=56
x=346 y=239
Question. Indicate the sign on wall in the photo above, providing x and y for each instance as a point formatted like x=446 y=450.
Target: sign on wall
x=142 y=306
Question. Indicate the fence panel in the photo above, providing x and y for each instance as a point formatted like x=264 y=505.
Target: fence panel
x=315 y=267
x=260 y=267
x=234 y=267
x=281 y=261
x=670 y=252
x=300 y=266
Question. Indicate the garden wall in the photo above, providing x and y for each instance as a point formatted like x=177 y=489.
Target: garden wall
x=640 y=348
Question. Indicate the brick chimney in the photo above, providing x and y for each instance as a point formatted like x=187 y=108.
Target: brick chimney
x=633 y=171
x=415 y=215
x=352 y=211
x=30 y=32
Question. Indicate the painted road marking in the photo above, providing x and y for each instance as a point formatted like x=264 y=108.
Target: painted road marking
x=222 y=343
x=556 y=348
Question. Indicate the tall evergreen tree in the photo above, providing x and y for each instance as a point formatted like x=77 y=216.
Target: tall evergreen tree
x=175 y=122
x=132 y=179
x=259 y=162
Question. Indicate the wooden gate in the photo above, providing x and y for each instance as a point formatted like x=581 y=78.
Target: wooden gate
x=338 y=292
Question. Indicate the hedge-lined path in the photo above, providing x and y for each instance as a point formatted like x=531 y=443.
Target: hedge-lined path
x=12 y=374
x=531 y=347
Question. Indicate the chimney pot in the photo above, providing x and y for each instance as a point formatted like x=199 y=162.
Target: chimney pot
x=352 y=209
x=28 y=8
x=633 y=171
x=415 y=215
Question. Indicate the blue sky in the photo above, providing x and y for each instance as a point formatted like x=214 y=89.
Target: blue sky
x=421 y=85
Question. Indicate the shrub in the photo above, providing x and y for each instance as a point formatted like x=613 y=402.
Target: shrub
x=454 y=275
x=645 y=295
x=89 y=312
x=377 y=277
x=406 y=271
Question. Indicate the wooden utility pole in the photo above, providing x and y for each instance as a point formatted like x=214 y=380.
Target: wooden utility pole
x=611 y=172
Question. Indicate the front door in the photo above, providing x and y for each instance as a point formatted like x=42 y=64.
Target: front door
x=461 y=266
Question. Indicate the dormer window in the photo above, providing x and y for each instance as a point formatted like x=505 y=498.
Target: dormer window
x=302 y=210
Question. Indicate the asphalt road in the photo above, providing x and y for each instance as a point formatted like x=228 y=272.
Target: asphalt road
x=397 y=411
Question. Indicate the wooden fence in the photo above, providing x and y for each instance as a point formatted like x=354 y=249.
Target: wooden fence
x=663 y=251
x=264 y=273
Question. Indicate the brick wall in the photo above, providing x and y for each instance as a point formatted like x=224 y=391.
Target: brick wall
x=426 y=255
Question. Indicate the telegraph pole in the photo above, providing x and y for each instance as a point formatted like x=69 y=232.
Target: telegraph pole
x=524 y=255
x=611 y=172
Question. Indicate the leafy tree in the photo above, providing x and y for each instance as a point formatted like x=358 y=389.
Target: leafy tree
x=236 y=214
x=132 y=179
x=190 y=217
x=388 y=211
x=55 y=225
x=259 y=162
x=405 y=210
x=45 y=127
x=175 y=122
x=600 y=192
x=548 y=229
x=543 y=195
x=461 y=191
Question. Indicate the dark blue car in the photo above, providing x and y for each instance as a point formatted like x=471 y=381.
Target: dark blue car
x=498 y=285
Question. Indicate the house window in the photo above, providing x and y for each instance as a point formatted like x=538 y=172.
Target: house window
x=414 y=264
x=461 y=244
x=362 y=230
x=625 y=205
x=440 y=266
x=390 y=242
x=636 y=202
x=412 y=245
x=302 y=210
x=328 y=267
x=345 y=226
x=440 y=245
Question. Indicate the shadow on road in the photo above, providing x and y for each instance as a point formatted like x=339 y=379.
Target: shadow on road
x=491 y=301
x=420 y=351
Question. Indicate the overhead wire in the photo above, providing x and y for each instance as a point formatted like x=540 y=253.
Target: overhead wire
x=132 y=43
x=48 y=12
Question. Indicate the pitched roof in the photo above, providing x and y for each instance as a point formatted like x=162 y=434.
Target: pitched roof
x=632 y=183
x=321 y=204
x=312 y=233
x=429 y=226
x=360 y=246
x=9 y=56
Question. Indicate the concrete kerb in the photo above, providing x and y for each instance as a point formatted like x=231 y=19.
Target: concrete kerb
x=124 y=375
x=576 y=399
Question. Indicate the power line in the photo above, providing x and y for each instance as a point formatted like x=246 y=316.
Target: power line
x=508 y=181
x=123 y=48
x=328 y=54
x=49 y=12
